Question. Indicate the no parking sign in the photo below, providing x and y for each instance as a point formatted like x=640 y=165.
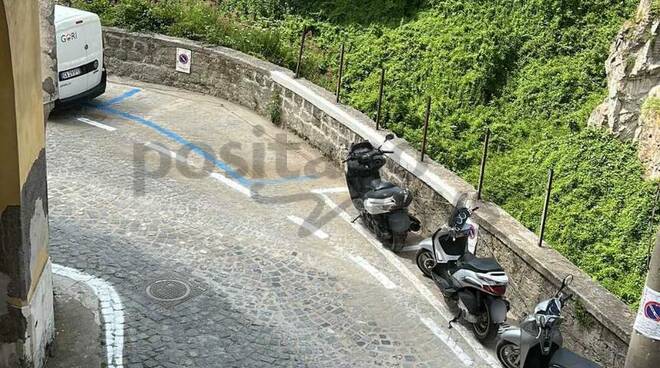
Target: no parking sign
x=648 y=316
x=183 y=60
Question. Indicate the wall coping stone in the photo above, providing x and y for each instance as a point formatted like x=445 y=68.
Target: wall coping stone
x=596 y=300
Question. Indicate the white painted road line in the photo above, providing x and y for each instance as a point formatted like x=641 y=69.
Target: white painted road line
x=421 y=288
x=217 y=176
x=330 y=190
x=166 y=152
x=387 y=283
x=442 y=335
x=112 y=311
x=97 y=124
x=232 y=184
x=311 y=228
x=333 y=206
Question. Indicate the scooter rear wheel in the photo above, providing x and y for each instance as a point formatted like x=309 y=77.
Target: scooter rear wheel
x=398 y=241
x=484 y=328
x=508 y=354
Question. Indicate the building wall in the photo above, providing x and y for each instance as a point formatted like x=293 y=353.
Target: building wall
x=599 y=328
x=26 y=308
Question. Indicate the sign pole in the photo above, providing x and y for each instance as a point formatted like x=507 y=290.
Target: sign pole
x=644 y=348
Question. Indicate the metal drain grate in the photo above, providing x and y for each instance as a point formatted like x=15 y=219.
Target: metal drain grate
x=168 y=290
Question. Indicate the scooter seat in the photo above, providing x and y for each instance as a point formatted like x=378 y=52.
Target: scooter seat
x=383 y=193
x=381 y=185
x=566 y=359
x=383 y=189
x=476 y=264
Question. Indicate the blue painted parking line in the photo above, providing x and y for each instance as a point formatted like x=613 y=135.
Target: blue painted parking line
x=120 y=98
x=179 y=139
x=233 y=173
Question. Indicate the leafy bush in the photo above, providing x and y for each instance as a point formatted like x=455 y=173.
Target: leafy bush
x=599 y=210
x=531 y=71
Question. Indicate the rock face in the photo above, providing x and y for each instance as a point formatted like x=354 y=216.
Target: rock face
x=633 y=70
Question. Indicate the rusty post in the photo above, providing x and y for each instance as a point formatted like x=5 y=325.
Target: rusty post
x=426 y=126
x=380 y=98
x=341 y=72
x=300 y=55
x=483 y=165
x=546 y=206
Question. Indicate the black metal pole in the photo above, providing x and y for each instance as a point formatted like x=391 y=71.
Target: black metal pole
x=482 y=171
x=341 y=72
x=426 y=126
x=380 y=98
x=300 y=55
x=546 y=205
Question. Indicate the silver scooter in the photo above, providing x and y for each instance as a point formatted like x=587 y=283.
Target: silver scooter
x=477 y=284
x=537 y=342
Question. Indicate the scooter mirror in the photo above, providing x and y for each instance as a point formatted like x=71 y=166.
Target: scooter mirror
x=567 y=281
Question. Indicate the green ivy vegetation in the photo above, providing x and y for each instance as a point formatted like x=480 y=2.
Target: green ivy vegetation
x=530 y=70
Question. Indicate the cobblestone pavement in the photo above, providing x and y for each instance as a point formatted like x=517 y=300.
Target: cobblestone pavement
x=248 y=286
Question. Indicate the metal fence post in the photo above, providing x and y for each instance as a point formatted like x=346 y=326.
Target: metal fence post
x=426 y=126
x=546 y=204
x=341 y=72
x=300 y=55
x=483 y=165
x=380 y=98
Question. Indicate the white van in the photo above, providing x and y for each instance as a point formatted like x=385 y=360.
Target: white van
x=80 y=67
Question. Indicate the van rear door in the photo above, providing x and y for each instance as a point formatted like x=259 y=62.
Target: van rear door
x=79 y=50
x=94 y=46
x=71 y=56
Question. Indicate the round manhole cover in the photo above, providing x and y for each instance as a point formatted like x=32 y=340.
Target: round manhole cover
x=168 y=290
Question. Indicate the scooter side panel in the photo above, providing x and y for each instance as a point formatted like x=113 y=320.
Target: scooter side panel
x=399 y=221
x=498 y=310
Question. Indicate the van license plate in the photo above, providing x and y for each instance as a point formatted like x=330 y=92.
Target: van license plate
x=71 y=73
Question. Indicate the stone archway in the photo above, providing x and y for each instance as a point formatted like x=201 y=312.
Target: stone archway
x=26 y=297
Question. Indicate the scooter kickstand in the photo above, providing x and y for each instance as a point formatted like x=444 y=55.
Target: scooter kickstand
x=458 y=316
x=355 y=219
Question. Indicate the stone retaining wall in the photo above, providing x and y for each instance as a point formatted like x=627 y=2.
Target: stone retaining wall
x=597 y=325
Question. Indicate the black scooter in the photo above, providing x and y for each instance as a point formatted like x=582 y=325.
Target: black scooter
x=383 y=206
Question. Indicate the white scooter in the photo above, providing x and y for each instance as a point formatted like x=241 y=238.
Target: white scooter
x=537 y=342
x=478 y=284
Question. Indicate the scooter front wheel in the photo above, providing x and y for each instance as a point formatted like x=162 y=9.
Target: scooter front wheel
x=425 y=261
x=508 y=354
